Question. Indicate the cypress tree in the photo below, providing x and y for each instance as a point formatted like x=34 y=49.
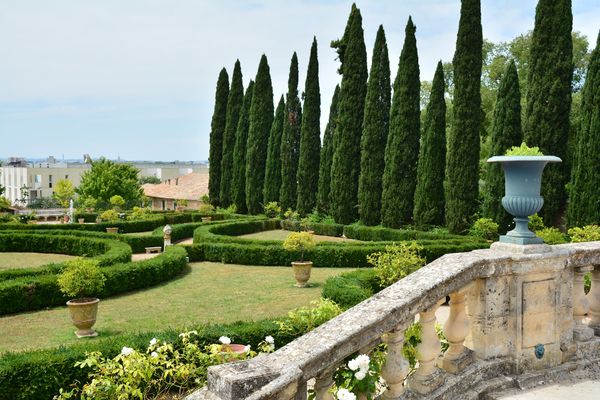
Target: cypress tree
x=375 y=131
x=234 y=106
x=238 y=187
x=327 y=155
x=584 y=203
x=402 y=150
x=310 y=137
x=290 y=141
x=345 y=167
x=273 y=171
x=217 y=128
x=261 y=118
x=548 y=106
x=462 y=168
x=429 y=193
x=506 y=132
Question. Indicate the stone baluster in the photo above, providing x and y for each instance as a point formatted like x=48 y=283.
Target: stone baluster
x=323 y=383
x=594 y=298
x=456 y=329
x=396 y=367
x=427 y=377
x=581 y=305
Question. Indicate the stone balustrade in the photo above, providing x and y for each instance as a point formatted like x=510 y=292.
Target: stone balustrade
x=515 y=311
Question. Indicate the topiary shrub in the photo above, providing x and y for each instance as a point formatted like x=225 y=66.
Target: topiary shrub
x=109 y=215
x=524 y=150
x=81 y=278
x=272 y=209
x=299 y=242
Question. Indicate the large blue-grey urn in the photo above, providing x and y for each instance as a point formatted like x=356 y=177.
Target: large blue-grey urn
x=522 y=186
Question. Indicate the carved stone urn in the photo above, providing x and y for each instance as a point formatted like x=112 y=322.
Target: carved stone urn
x=83 y=314
x=522 y=187
x=302 y=272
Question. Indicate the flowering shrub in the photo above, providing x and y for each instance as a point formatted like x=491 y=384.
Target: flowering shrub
x=396 y=262
x=360 y=375
x=163 y=368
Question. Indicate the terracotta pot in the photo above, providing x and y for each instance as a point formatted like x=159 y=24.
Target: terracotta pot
x=302 y=272
x=83 y=314
x=112 y=230
x=81 y=220
x=206 y=219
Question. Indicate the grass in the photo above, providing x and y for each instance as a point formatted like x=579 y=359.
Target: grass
x=206 y=293
x=146 y=233
x=280 y=234
x=29 y=260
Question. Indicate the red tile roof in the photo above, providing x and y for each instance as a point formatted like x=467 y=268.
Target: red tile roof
x=187 y=187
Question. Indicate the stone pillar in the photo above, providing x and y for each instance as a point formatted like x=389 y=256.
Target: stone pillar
x=427 y=377
x=167 y=230
x=456 y=329
x=396 y=367
x=322 y=384
x=581 y=305
x=594 y=297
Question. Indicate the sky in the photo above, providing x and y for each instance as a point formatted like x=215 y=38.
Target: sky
x=136 y=79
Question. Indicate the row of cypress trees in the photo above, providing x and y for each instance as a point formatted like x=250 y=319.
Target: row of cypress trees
x=376 y=163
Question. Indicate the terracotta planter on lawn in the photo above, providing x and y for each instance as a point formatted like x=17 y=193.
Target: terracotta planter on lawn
x=112 y=230
x=83 y=314
x=81 y=220
x=302 y=272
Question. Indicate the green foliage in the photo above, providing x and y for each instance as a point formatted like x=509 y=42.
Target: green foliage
x=299 y=242
x=429 y=192
x=506 y=132
x=327 y=155
x=234 y=109
x=107 y=178
x=272 y=209
x=149 y=179
x=376 y=124
x=117 y=202
x=345 y=167
x=485 y=228
x=290 y=140
x=536 y=223
x=109 y=215
x=261 y=118
x=396 y=262
x=139 y=213
x=81 y=278
x=462 y=163
x=4 y=203
x=588 y=233
x=550 y=73
x=360 y=375
x=524 y=150
x=238 y=187
x=217 y=131
x=584 y=202
x=350 y=288
x=402 y=150
x=552 y=236
x=305 y=319
x=64 y=192
x=310 y=138
x=273 y=168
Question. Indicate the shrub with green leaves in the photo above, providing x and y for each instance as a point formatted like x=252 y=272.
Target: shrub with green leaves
x=272 y=209
x=299 y=242
x=305 y=319
x=109 y=215
x=536 y=223
x=524 y=150
x=551 y=236
x=484 y=228
x=396 y=262
x=139 y=213
x=588 y=233
x=81 y=278
x=117 y=202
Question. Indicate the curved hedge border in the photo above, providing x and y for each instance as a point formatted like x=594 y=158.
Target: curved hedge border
x=33 y=292
x=219 y=243
x=350 y=288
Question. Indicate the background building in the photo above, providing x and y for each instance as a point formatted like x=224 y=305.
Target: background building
x=185 y=191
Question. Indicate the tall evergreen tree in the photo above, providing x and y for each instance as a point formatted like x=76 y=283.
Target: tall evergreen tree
x=234 y=106
x=238 y=187
x=584 y=202
x=429 y=193
x=549 y=97
x=402 y=150
x=345 y=167
x=310 y=137
x=261 y=118
x=273 y=169
x=376 y=125
x=290 y=141
x=217 y=129
x=327 y=155
x=462 y=168
x=506 y=132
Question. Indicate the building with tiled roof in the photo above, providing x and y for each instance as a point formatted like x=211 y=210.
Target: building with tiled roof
x=169 y=195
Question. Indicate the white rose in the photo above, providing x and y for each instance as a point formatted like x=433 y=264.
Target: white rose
x=154 y=354
x=153 y=341
x=345 y=394
x=353 y=364
x=363 y=361
x=360 y=375
x=269 y=339
x=225 y=340
x=127 y=351
x=247 y=349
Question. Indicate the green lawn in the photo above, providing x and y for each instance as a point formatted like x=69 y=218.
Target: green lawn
x=28 y=260
x=208 y=292
x=281 y=234
x=146 y=233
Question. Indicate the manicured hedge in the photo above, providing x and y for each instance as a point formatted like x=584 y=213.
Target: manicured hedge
x=34 y=292
x=378 y=234
x=351 y=288
x=38 y=375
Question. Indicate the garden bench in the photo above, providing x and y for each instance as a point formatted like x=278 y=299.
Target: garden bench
x=154 y=249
